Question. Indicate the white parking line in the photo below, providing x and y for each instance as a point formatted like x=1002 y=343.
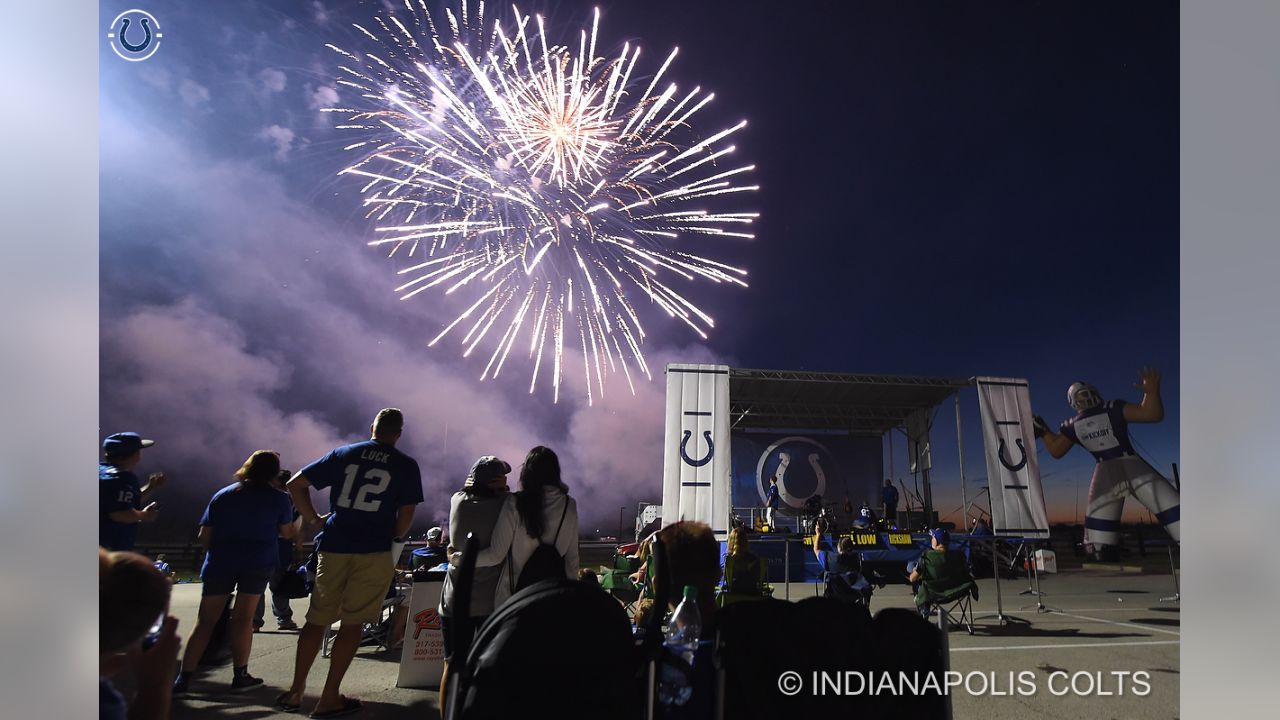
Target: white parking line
x=1061 y=646
x=1106 y=609
x=1115 y=622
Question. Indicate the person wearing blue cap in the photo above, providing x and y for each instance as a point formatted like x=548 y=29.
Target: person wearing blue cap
x=940 y=567
x=120 y=494
x=938 y=539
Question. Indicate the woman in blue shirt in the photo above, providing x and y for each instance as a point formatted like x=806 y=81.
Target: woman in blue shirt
x=238 y=530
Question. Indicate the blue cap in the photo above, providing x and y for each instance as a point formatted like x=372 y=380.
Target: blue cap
x=942 y=536
x=125 y=443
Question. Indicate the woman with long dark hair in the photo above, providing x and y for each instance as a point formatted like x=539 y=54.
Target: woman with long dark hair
x=238 y=530
x=536 y=536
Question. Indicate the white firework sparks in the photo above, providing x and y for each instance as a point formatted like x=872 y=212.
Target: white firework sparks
x=535 y=178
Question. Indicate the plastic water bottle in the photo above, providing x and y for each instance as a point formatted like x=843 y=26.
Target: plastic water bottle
x=683 y=632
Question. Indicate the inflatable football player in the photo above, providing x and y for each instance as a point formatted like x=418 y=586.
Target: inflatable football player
x=1102 y=428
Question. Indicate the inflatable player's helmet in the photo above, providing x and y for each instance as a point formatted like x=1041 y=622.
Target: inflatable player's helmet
x=865 y=511
x=1082 y=396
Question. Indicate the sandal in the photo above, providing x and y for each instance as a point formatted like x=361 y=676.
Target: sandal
x=349 y=706
x=282 y=702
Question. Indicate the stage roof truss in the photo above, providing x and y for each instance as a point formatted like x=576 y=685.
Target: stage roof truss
x=843 y=402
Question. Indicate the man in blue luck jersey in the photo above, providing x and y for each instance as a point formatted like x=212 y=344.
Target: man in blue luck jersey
x=120 y=494
x=1102 y=428
x=373 y=490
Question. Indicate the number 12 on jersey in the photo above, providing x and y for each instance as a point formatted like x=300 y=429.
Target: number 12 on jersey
x=375 y=483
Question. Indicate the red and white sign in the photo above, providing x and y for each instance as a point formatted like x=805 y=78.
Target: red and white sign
x=422 y=657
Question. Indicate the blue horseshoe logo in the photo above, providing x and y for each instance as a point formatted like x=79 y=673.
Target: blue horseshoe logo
x=146 y=36
x=1021 y=463
x=684 y=445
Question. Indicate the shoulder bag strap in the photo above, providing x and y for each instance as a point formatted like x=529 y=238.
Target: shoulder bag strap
x=563 y=510
x=511 y=563
x=511 y=569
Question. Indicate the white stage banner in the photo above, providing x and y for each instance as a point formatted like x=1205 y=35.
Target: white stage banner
x=695 y=477
x=422 y=656
x=1013 y=472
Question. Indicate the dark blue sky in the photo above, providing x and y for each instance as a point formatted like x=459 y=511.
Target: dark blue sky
x=946 y=188
x=956 y=189
x=951 y=188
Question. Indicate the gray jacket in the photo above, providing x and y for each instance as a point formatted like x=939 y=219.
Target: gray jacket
x=473 y=513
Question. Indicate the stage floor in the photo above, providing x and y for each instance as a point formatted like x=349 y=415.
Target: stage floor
x=1108 y=621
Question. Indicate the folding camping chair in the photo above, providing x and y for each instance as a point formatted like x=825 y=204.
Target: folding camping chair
x=955 y=603
x=744 y=581
x=374 y=633
x=617 y=581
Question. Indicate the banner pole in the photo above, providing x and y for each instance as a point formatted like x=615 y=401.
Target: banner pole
x=1173 y=568
x=995 y=565
x=944 y=631
x=893 y=476
x=964 y=495
x=786 y=566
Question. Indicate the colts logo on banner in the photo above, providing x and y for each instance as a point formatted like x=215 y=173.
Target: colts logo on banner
x=1015 y=460
x=694 y=451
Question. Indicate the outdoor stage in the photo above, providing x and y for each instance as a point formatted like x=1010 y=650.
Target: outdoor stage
x=1108 y=621
x=790 y=557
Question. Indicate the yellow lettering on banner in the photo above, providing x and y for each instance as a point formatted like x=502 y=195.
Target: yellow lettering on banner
x=899 y=538
x=865 y=539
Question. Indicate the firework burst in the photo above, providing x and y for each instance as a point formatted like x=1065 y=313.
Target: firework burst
x=536 y=179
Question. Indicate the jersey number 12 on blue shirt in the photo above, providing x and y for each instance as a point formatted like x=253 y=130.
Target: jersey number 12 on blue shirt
x=378 y=480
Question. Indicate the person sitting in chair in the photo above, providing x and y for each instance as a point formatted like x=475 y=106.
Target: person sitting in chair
x=842 y=569
x=939 y=573
x=435 y=551
x=744 y=572
x=866 y=519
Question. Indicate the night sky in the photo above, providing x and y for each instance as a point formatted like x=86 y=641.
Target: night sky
x=947 y=189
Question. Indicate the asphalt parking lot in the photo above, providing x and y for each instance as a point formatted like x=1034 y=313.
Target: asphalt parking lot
x=1084 y=659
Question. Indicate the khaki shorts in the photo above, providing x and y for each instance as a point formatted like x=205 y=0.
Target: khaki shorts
x=350 y=587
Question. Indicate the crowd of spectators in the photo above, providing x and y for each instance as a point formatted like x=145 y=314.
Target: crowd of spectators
x=250 y=527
